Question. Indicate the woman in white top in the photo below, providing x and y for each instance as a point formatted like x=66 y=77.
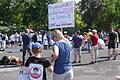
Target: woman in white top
x=45 y=41
x=12 y=40
x=39 y=38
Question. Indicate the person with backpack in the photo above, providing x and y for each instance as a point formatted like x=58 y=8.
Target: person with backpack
x=37 y=64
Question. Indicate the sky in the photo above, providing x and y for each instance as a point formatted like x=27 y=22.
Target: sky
x=70 y=0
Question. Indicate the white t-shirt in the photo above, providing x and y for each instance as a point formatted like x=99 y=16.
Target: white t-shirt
x=39 y=37
x=45 y=41
x=12 y=38
x=16 y=37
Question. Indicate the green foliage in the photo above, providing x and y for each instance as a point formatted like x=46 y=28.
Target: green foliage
x=24 y=13
x=100 y=14
x=5 y=12
x=35 y=14
x=79 y=24
x=20 y=14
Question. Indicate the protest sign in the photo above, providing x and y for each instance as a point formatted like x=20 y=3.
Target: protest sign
x=61 y=15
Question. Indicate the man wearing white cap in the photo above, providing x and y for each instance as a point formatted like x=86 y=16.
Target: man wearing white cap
x=94 y=51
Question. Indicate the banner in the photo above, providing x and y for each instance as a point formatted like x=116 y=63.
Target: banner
x=61 y=15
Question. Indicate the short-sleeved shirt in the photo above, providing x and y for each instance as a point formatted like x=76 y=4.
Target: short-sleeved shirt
x=41 y=61
x=112 y=37
x=94 y=39
x=12 y=38
x=34 y=38
x=77 y=41
x=26 y=41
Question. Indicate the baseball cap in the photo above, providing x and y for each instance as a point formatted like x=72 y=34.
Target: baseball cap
x=94 y=30
x=36 y=45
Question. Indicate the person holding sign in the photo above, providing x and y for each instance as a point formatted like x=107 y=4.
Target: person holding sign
x=61 y=57
x=37 y=64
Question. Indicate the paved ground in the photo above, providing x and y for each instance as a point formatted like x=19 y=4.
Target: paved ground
x=103 y=70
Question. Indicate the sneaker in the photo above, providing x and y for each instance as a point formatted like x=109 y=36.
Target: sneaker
x=114 y=58
x=95 y=61
x=92 y=62
x=89 y=52
x=79 y=61
x=108 y=58
x=74 y=62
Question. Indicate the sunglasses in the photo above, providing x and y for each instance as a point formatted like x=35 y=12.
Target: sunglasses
x=53 y=36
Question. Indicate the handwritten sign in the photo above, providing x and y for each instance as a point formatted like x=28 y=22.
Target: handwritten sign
x=61 y=15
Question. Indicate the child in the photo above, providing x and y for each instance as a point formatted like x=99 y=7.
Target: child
x=37 y=63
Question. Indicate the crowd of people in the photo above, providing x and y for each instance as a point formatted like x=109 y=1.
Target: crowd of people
x=15 y=39
x=60 y=56
x=62 y=45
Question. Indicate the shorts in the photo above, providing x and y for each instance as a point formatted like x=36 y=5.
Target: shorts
x=94 y=49
x=113 y=45
x=65 y=76
x=12 y=42
x=77 y=50
x=7 y=42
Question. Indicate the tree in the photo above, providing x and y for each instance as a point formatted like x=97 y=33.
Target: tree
x=5 y=12
x=100 y=13
x=79 y=23
x=36 y=13
x=90 y=11
x=112 y=12
x=19 y=14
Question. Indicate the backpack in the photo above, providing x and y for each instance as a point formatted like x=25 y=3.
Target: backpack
x=35 y=71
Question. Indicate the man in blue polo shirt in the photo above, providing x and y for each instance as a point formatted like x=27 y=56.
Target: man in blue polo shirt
x=77 y=43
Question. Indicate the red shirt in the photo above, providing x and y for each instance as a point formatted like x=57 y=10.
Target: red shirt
x=94 y=39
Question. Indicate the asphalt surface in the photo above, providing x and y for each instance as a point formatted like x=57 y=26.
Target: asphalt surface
x=102 y=70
